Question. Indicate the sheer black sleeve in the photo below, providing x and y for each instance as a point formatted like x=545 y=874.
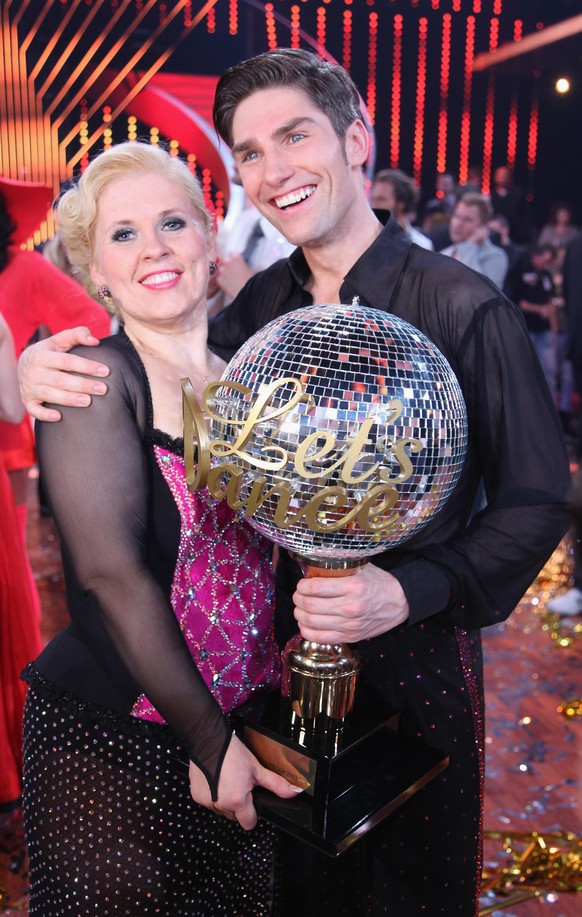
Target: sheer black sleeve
x=96 y=474
x=517 y=447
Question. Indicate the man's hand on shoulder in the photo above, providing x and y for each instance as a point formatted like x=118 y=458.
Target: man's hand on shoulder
x=48 y=373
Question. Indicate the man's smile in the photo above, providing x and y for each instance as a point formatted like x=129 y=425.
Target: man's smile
x=294 y=197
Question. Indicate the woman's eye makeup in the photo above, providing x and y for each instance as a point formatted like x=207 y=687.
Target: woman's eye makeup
x=174 y=223
x=121 y=234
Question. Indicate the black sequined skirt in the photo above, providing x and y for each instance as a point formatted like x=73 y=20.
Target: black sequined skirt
x=112 y=828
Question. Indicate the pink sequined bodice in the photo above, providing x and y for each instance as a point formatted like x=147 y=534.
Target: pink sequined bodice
x=222 y=595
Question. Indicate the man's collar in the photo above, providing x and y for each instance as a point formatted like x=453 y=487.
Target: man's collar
x=388 y=252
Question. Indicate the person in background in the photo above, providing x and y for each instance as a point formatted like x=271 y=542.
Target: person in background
x=294 y=125
x=559 y=231
x=535 y=298
x=395 y=191
x=435 y=225
x=36 y=294
x=55 y=252
x=470 y=242
x=126 y=729
x=446 y=192
x=569 y=603
x=509 y=200
x=245 y=245
x=19 y=626
x=516 y=254
x=474 y=180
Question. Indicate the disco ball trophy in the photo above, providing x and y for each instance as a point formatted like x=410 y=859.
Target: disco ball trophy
x=339 y=431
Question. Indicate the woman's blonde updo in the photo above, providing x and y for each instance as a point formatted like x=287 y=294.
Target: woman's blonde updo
x=77 y=209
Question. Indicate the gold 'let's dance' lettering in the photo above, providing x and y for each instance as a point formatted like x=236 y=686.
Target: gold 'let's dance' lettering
x=324 y=511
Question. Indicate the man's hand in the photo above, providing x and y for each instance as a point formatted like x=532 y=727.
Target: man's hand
x=46 y=374
x=239 y=774
x=349 y=608
x=480 y=234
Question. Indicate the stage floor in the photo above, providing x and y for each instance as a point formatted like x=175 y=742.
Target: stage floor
x=533 y=791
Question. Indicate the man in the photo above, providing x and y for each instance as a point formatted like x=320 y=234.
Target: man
x=395 y=191
x=534 y=295
x=471 y=244
x=516 y=254
x=509 y=200
x=296 y=133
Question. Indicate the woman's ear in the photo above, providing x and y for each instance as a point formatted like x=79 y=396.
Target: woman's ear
x=96 y=276
x=212 y=246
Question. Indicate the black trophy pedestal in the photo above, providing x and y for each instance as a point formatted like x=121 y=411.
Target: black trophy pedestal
x=349 y=791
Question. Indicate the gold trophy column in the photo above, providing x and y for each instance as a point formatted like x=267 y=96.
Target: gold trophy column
x=319 y=681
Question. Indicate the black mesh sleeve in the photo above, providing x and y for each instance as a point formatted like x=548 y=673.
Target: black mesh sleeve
x=95 y=471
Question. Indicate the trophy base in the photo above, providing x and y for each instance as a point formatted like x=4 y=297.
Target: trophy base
x=346 y=793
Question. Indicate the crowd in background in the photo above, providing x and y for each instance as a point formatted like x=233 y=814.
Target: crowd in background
x=494 y=234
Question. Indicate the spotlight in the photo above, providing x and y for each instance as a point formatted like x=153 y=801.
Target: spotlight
x=562 y=85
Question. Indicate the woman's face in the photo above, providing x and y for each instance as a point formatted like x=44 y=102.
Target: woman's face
x=151 y=251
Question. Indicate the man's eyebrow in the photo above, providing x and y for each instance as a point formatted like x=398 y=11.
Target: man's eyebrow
x=280 y=131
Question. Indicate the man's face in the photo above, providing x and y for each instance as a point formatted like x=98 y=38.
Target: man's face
x=502 y=177
x=542 y=261
x=466 y=219
x=382 y=196
x=294 y=167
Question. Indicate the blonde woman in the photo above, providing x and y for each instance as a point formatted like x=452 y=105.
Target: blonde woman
x=170 y=596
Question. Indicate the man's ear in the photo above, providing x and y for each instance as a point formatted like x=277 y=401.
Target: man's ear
x=357 y=144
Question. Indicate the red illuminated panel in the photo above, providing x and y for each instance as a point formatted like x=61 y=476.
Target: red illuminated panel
x=295 y=26
x=233 y=17
x=320 y=28
x=347 y=40
x=372 y=64
x=270 y=25
x=467 y=87
x=532 y=139
x=396 y=93
x=489 y=112
x=512 y=128
x=420 y=100
x=444 y=94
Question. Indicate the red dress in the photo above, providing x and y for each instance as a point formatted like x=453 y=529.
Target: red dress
x=35 y=292
x=19 y=641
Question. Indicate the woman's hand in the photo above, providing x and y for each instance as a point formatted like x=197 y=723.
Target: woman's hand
x=240 y=773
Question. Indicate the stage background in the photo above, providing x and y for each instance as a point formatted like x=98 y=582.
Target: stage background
x=77 y=75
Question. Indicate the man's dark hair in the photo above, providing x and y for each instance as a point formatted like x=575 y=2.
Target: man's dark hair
x=327 y=85
x=538 y=249
x=405 y=190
